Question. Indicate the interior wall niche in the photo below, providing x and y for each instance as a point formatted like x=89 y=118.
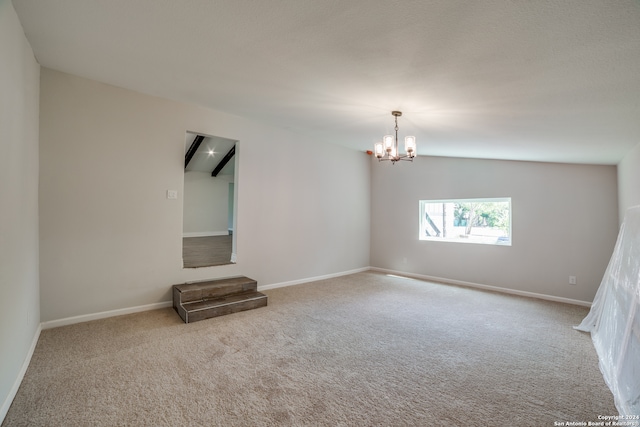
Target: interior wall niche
x=209 y=201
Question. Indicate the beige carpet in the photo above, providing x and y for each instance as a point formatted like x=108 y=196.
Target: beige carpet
x=359 y=350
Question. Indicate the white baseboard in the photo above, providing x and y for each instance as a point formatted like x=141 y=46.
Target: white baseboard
x=206 y=233
x=121 y=311
x=311 y=279
x=485 y=287
x=23 y=370
x=104 y=314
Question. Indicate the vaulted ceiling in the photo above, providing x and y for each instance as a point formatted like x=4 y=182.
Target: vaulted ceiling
x=209 y=154
x=540 y=80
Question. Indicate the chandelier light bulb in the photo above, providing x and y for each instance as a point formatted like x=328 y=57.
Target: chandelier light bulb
x=378 y=150
x=410 y=145
x=388 y=142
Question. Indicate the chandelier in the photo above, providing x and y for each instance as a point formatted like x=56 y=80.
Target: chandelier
x=389 y=145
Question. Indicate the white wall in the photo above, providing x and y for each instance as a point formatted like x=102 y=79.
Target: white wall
x=110 y=239
x=19 y=299
x=206 y=204
x=564 y=222
x=629 y=181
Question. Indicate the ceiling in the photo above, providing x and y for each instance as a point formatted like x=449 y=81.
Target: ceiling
x=210 y=153
x=542 y=80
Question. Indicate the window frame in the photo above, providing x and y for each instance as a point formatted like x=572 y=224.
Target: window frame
x=478 y=240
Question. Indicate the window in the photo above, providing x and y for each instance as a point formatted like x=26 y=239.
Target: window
x=485 y=221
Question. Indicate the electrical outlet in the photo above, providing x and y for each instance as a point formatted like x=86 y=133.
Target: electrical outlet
x=172 y=194
x=572 y=280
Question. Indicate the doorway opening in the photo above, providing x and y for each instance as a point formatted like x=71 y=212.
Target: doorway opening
x=209 y=201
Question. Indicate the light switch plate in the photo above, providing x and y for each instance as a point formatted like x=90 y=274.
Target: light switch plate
x=172 y=194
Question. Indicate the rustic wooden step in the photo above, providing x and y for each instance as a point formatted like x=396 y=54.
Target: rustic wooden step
x=219 y=306
x=210 y=289
x=203 y=300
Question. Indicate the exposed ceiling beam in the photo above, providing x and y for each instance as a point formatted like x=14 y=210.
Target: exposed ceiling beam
x=224 y=161
x=192 y=150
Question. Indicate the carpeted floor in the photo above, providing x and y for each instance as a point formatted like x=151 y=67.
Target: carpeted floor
x=359 y=350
